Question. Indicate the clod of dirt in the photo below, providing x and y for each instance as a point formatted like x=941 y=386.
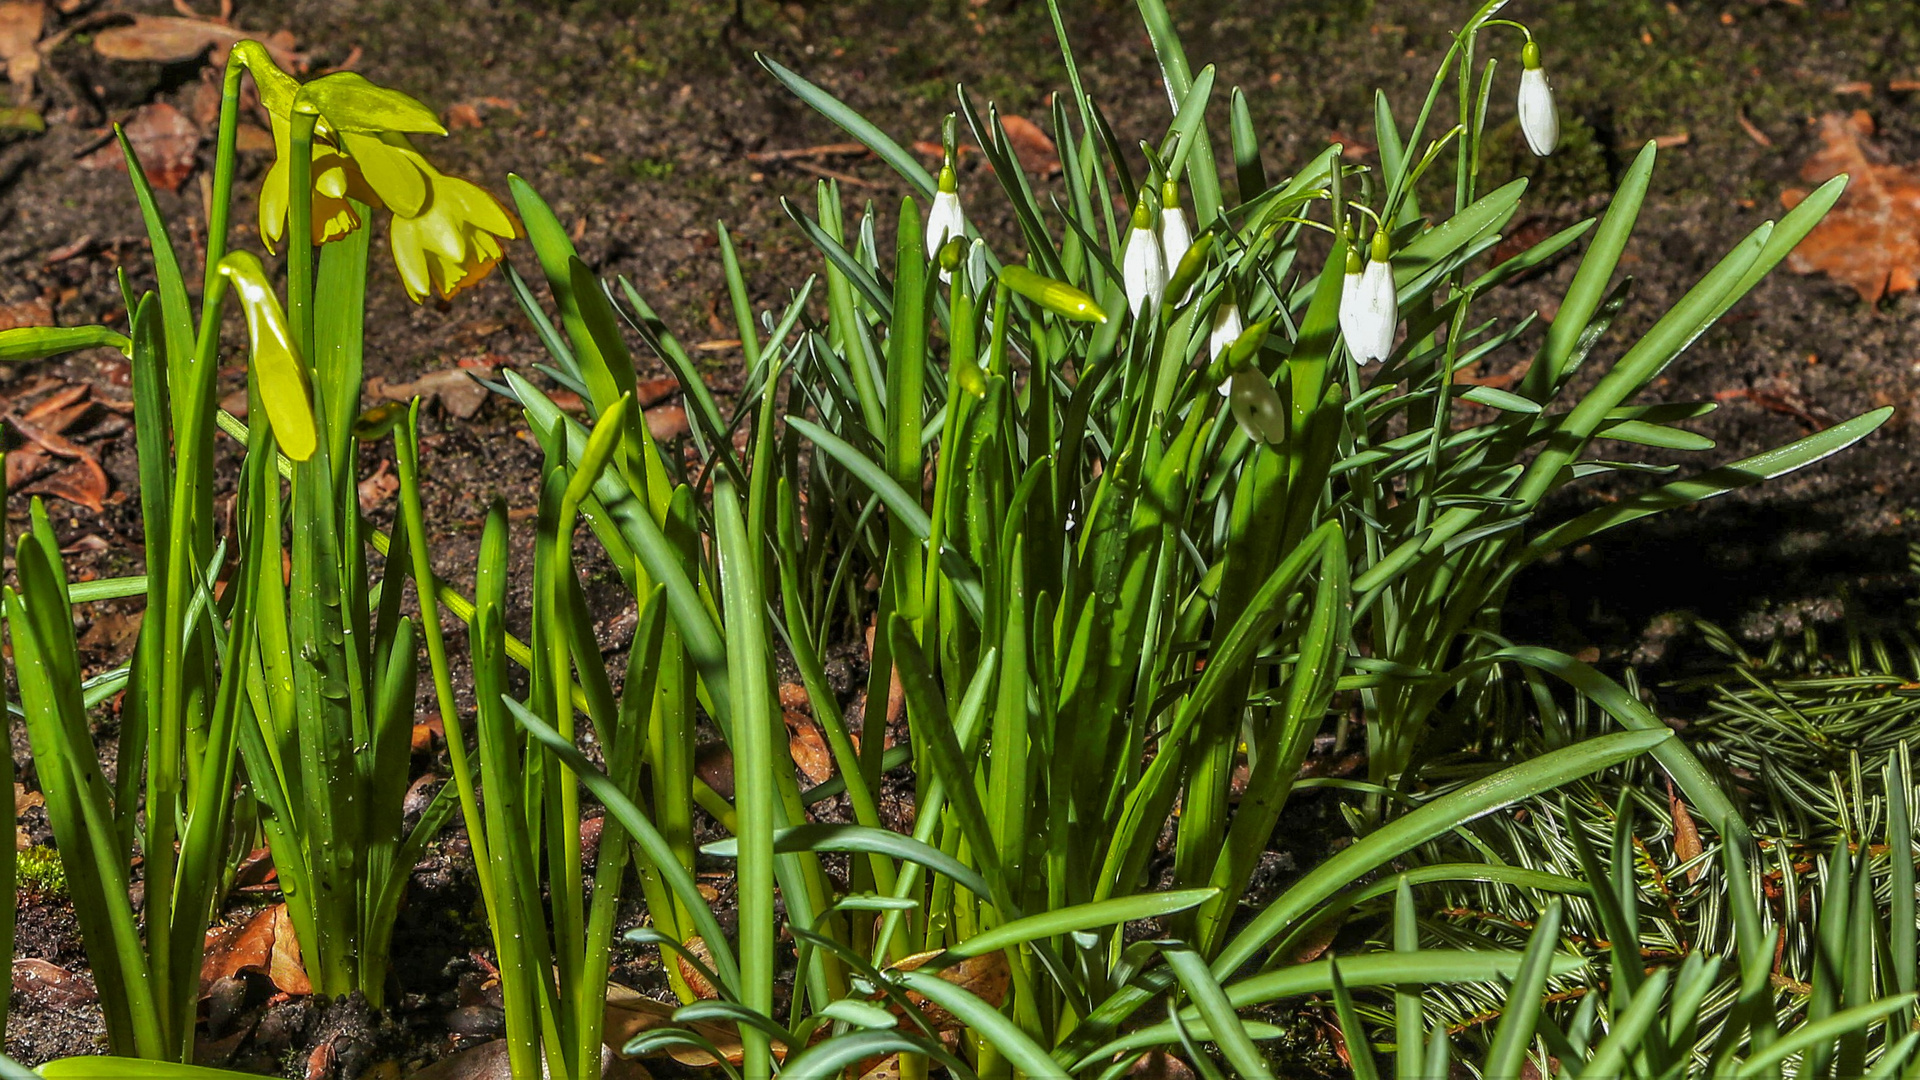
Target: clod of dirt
x=1870 y=241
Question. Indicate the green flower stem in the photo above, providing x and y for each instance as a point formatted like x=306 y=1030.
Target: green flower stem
x=300 y=229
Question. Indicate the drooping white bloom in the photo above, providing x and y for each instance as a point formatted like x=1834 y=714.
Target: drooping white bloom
x=1257 y=407
x=1539 y=122
x=945 y=220
x=1369 y=307
x=1143 y=270
x=1175 y=236
x=1350 y=295
x=1227 y=328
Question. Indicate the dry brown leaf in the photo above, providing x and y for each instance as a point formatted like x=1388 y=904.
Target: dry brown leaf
x=698 y=983
x=264 y=944
x=1870 y=241
x=652 y=392
x=427 y=734
x=887 y=1069
x=20 y=24
x=169 y=39
x=286 y=969
x=234 y=949
x=165 y=140
x=34 y=312
x=49 y=986
x=808 y=748
x=986 y=977
x=1160 y=1065
x=454 y=388
x=667 y=422
x=713 y=766
x=82 y=483
x=378 y=488
x=111 y=633
x=463 y=115
x=630 y=1013
x=1031 y=146
x=1687 y=846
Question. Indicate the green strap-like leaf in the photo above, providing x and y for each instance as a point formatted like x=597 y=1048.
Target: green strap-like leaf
x=41 y=342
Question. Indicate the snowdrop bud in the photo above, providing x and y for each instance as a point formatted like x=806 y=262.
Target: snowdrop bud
x=1175 y=237
x=1227 y=328
x=1142 y=268
x=945 y=220
x=1538 y=120
x=1350 y=291
x=1257 y=407
x=1369 y=308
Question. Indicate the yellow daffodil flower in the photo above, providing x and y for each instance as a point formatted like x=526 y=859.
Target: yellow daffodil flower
x=336 y=181
x=446 y=231
x=454 y=241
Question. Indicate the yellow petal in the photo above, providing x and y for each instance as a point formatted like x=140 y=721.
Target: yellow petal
x=273 y=204
x=409 y=259
x=480 y=207
x=351 y=103
x=390 y=172
x=276 y=366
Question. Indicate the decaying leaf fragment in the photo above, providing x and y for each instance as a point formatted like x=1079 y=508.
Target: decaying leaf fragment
x=1870 y=241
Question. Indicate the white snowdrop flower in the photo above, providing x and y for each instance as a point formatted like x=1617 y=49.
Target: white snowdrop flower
x=1175 y=236
x=945 y=220
x=1539 y=122
x=1227 y=328
x=1369 y=308
x=1142 y=268
x=1257 y=407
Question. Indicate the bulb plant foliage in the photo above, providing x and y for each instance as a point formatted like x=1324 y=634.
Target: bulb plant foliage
x=1100 y=590
x=1148 y=506
x=269 y=641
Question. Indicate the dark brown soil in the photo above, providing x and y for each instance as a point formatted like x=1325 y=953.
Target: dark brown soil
x=636 y=120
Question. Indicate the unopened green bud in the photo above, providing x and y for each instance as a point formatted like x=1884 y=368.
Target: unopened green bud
x=1247 y=345
x=1056 y=296
x=1191 y=264
x=952 y=252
